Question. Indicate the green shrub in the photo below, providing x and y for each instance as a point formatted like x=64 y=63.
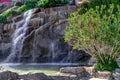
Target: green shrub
x=5 y=14
x=2 y=19
x=29 y=4
x=22 y=9
x=51 y=3
x=110 y=64
x=43 y=3
x=18 y=4
x=93 y=3
x=97 y=32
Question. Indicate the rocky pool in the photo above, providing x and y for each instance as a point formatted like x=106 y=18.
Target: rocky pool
x=47 y=68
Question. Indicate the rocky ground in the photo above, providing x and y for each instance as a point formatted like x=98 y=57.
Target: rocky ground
x=66 y=73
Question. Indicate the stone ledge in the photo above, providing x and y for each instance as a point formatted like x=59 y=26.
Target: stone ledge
x=86 y=71
x=73 y=70
x=97 y=79
x=8 y=75
x=66 y=75
x=103 y=74
x=116 y=74
x=78 y=70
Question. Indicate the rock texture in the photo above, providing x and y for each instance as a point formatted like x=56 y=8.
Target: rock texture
x=66 y=73
x=5 y=6
x=5 y=43
x=7 y=75
x=36 y=76
x=88 y=72
x=116 y=74
x=43 y=40
x=118 y=60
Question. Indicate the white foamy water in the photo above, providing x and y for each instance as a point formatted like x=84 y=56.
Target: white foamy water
x=18 y=36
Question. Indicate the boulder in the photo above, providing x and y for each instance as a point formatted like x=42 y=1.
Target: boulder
x=36 y=22
x=88 y=72
x=116 y=74
x=118 y=60
x=9 y=19
x=36 y=76
x=91 y=61
x=72 y=70
x=17 y=18
x=7 y=75
x=103 y=74
x=38 y=15
x=91 y=71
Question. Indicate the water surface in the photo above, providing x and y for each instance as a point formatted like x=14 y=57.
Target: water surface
x=47 y=68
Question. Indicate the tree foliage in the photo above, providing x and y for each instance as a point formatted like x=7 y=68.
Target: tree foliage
x=51 y=3
x=18 y=3
x=97 y=32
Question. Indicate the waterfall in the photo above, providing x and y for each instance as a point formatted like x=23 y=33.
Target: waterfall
x=52 y=48
x=38 y=38
x=52 y=51
x=18 y=37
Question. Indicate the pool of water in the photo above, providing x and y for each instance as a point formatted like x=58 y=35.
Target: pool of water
x=47 y=68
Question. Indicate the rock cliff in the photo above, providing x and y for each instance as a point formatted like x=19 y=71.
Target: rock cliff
x=39 y=39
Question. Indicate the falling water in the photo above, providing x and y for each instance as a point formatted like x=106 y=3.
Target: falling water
x=52 y=51
x=18 y=37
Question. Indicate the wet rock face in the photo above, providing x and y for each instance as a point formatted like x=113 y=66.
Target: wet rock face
x=43 y=39
x=5 y=43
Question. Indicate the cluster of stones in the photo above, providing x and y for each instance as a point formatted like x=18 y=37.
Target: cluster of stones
x=86 y=73
x=66 y=73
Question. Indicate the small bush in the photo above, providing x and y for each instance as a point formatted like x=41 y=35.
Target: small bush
x=97 y=32
x=29 y=4
x=22 y=9
x=2 y=19
x=51 y=3
x=43 y=3
x=110 y=64
x=5 y=14
x=94 y=3
x=18 y=4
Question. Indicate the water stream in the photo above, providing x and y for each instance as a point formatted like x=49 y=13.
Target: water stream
x=18 y=37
